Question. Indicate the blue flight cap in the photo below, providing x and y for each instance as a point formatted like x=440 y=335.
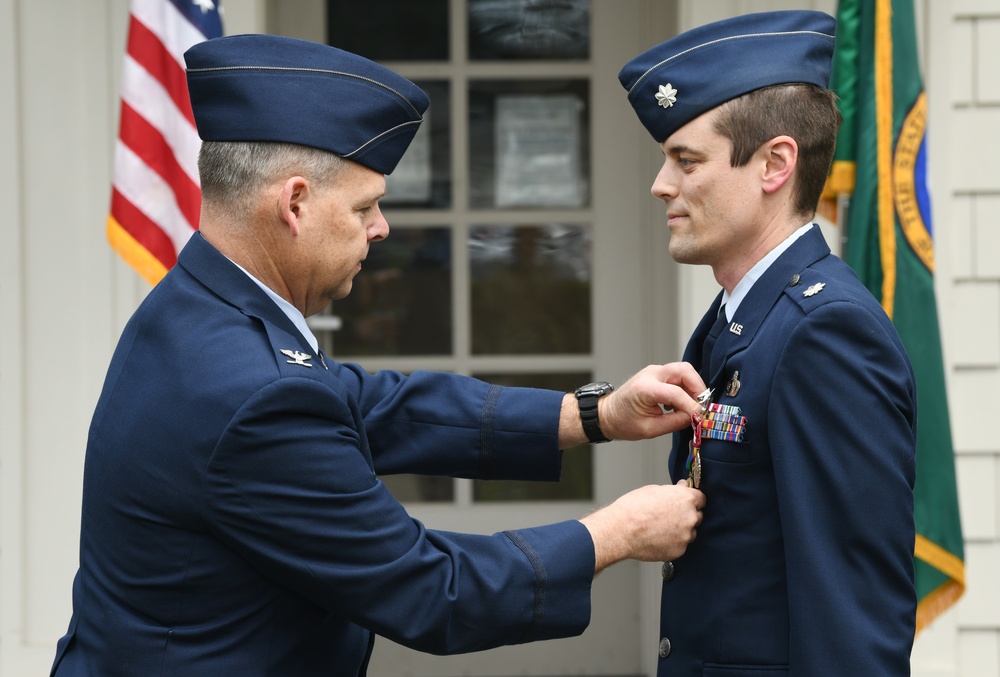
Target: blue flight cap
x=272 y=88
x=678 y=80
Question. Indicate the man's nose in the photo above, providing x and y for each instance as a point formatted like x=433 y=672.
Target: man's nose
x=379 y=230
x=664 y=187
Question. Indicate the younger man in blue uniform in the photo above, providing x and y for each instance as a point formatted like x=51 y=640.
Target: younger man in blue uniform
x=803 y=564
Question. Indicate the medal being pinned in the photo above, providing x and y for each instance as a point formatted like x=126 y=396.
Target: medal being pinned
x=693 y=465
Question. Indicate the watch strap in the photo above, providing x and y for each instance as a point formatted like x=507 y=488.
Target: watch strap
x=588 y=416
x=586 y=398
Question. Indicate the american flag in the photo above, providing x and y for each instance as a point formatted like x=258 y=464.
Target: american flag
x=155 y=197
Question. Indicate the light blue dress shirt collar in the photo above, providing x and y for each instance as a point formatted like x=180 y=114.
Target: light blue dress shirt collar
x=742 y=288
x=297 y=318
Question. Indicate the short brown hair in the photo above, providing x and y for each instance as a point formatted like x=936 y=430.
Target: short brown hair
x=806 y=113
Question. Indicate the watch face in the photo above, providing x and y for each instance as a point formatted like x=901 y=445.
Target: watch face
x=598 y=389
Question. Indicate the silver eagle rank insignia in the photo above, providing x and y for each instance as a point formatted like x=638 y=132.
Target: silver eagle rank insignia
x=298 y=357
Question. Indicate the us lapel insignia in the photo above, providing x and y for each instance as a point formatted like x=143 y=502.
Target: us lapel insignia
x=733 y=387
x=815 y=289
x=298 y=358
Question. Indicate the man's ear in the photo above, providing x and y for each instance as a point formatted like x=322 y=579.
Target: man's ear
x=781 y=155
x=291 y=201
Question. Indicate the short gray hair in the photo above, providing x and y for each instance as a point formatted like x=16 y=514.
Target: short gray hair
x=234 y=172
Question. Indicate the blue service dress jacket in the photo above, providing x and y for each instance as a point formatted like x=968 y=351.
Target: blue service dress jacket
x=233 y=518
x=803 y=564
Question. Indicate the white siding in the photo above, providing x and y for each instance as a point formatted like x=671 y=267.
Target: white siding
x=963 y=85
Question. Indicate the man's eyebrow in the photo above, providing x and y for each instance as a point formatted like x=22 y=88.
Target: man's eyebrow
x=681 y=149
x=373 y=198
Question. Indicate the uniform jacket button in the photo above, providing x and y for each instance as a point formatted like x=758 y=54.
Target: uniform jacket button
x=668 y=571
x=664 y=647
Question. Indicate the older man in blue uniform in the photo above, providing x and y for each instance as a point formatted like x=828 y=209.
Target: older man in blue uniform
x=233 y=518
x=803 y=563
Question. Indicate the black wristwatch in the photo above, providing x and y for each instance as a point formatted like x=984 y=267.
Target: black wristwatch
x=586 y=397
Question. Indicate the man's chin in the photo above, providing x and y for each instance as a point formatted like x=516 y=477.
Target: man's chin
x=343 y=291
x=682 y=254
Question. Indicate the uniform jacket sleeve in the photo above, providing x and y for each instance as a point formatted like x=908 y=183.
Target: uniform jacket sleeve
x=290 y=489
x=447 y=425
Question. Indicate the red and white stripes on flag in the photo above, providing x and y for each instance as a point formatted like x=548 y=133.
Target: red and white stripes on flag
x=155 y=198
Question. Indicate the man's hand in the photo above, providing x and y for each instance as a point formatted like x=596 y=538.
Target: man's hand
x=633 y=411
x=651 y=524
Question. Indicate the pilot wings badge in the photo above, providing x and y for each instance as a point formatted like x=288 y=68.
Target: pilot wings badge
x=298 y=358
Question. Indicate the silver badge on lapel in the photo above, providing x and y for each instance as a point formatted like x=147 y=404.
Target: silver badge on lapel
x=298 y=357
x=815 y=289
x=733 y=387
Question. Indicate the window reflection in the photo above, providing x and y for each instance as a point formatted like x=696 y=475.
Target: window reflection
x=531 y=289
x=423 y=176
x=401 y=300
x=529 y=143
x=529 y=29
x=390 y=30
x=577 y=482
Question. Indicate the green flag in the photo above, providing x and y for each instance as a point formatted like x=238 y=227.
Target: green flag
x=881 y=163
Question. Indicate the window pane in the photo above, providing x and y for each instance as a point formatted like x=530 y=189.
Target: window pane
x=423 y=176
x=529 y=29
x=577 y=483
x=389 y=30
x=529 y=143
x=401 y=300
x=531 y=289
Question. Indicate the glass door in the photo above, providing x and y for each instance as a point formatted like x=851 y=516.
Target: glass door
x=487 y=270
